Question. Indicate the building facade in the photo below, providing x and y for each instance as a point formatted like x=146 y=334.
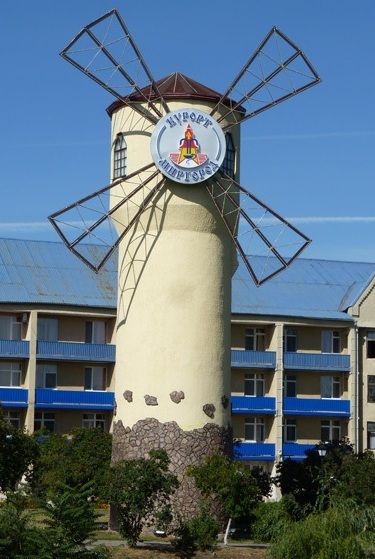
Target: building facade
x=302 y=350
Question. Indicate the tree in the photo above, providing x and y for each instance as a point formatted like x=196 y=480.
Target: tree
x=18 y=536
x=70 y=522
x=82 y=458
x=237 y=487
x=17 y=452
x=312 y=482
x=137 y=488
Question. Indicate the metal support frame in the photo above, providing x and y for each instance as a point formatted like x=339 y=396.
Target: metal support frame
x=237 y=107
x=225 y=194
x=102 y=47
x=57 y=224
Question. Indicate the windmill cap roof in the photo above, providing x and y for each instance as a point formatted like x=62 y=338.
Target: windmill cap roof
x=175 y=86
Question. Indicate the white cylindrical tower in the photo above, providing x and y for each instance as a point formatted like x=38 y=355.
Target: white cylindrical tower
x=174 y=307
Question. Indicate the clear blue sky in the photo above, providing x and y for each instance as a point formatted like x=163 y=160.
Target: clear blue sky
x=311 y=158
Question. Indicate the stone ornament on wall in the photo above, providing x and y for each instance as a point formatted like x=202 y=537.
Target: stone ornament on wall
x=176 y=396
x=128 y=395
x=225 y=401
x=209 y=409
x=151 y=400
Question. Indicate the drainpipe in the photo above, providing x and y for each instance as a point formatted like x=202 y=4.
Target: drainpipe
x=356 y=372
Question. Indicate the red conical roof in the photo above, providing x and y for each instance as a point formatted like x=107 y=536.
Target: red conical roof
x=175 y=86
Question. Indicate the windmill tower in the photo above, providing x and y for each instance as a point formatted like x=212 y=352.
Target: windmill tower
x=178 y=216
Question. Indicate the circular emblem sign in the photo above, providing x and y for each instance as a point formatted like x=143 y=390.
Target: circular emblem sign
x=188 y=146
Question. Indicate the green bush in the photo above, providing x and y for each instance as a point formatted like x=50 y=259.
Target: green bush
x=337 y=533
x=198 y=533
x=18 y=537
x=271 y=522
x=137 y=489
x=83 y=458
x=17 y=452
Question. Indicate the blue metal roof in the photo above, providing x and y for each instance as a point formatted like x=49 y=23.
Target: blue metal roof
x=47 y=272
x=308 y=289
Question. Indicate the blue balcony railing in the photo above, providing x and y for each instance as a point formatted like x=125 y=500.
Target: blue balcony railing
x=14 y=348
x=74 y=351
x=317 y=406
x=74 y=399
x=265 y=405
x=317 y=361
x=262 y=452
x=241 y=358
x=13 y=397
x=296 y=451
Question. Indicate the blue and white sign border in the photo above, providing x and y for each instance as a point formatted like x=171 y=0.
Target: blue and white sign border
x=166 y=137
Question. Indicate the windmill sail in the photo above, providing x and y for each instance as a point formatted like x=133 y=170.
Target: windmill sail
x=275 y=72
x=93 y=226
x=265 y=240
x=105 y=51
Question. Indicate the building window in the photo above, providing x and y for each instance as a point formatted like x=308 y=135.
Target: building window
x=93 y=421
x=48 y=329
x=371 y=388
x=371 y=435
x=290 y=339
x=371 y=344
x=95 y=378
x=330 y=387
x=119 y=157
x=290 y=386
x=331 y=341
x=46 y=375
x=13 y=417
x=254 y=384
x=95 y=332
x=10 y=328
x=228 y=165
x=254 y=429
x=10 y=374
x=290 y=430
x=330 y=431
x=255 y=339
x=44 y=420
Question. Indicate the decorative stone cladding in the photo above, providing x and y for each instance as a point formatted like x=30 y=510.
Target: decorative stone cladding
x=184 y=448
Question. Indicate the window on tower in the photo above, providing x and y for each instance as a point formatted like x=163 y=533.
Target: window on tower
x=119 y=157
x=230 y=156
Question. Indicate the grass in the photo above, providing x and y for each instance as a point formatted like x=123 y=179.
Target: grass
x=227 y=553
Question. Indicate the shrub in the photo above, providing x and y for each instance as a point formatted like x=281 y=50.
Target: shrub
x=271 y=522
x=83 y=458
x=334 y=534
x=18 y=537
x=198 y=533
x=17 y=452
x=136 y=488
x=237 y=487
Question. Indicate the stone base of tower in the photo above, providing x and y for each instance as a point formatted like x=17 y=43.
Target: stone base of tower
x=184 y=448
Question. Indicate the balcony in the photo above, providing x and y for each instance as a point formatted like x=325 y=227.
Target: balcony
x=253 y=404
x=75 y=351
x=260 y=452
x=13 y=397
x=317 y=407
x=296 y=451
x=14 y=349
x=244 y=359
x=48 y=398
x=317 y=361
